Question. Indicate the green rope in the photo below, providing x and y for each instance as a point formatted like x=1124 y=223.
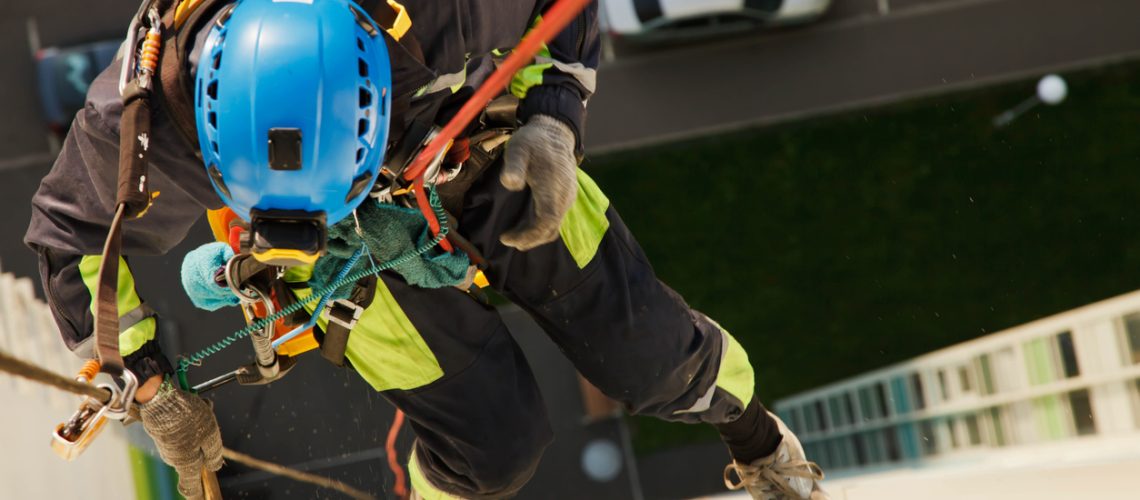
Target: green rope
x=196 y=358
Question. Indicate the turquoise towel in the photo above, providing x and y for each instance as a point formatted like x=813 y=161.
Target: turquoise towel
x=390 y=232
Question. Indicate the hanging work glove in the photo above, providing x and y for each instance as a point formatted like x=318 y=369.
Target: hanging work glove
x=186 y=433
x=199 y=268
x=541 y=155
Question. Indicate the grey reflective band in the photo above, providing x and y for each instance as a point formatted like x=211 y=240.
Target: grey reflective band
x=705 y=402
x=135 y=317
x=587 y=77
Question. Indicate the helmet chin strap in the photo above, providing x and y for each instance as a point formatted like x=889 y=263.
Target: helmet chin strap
x=553 y=22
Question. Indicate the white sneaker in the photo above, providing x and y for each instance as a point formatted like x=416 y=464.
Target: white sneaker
x=783 y=475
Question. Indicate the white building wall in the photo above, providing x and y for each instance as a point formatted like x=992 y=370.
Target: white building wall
x=28 y=468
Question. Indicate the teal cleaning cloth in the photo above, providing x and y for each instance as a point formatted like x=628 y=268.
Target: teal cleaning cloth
x=198 y=270
x=391 y=232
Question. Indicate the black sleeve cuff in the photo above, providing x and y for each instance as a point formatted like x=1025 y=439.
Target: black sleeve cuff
x=559 y=102
x=148 y=362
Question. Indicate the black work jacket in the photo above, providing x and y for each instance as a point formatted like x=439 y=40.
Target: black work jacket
x=459 y=40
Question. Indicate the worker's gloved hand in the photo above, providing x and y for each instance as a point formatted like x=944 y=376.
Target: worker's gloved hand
x=541 y=155
x=198 y=271
x=186 y=432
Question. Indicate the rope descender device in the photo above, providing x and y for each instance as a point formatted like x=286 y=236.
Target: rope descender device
x=72 y=438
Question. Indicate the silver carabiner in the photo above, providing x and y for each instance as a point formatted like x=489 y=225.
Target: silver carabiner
x=122 y=397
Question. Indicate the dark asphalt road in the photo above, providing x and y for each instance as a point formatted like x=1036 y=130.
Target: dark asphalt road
x=857 y=58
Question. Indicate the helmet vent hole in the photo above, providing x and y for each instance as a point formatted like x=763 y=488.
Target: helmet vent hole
x=359 y=155
x=212 y=118
x=362 y=66
x=365 y=97
x=360 y=43
x=217 y=60
x=212 y=89
x=362 y=127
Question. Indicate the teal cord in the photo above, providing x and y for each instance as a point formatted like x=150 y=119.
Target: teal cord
x=185 y=363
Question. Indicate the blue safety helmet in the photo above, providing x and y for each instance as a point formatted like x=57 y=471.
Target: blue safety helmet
x=292 y=101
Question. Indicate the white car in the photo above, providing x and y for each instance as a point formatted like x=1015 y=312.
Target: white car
x=648 y=19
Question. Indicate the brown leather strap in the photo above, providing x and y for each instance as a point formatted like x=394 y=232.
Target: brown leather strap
x=134 y=151
x=107 y=300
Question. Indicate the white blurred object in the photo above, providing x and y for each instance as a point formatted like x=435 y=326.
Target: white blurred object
x=1052 y=90
x=650 y=20
x=601 y=460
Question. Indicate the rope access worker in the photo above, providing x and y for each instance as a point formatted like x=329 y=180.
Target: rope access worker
x=291 y=113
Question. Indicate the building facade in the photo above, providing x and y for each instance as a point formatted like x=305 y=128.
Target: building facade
x=1067 y=376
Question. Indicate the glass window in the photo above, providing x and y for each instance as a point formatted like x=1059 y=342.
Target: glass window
x=795 y=423
x=867 y=406
x=987 y=374
x=1132 y=333
x=858 y=442
x=950 y=428
x=1082 y=412
x=881 y=396
x=891 y=439
x=811 y=418
x=919 y=393
x=927 y=437
x=849 y=406
x=822 y=417
x=899 y=396
x=1068 y=354
x=972 y=429
x=964 y=379
x=942 y=385
x=837 y=418
x=996 y=425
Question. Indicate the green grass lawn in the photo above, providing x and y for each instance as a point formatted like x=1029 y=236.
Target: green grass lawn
x=843 y=244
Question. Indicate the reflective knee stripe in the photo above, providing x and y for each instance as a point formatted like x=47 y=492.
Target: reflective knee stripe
x=133 y=336
x=735 y=375
x=420 y=484
x=586 y=223
x=384 y=347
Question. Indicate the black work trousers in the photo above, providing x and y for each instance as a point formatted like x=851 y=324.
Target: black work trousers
x=449 y=363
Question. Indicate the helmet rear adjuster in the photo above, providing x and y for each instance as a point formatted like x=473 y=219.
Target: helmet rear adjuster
x=286 y=237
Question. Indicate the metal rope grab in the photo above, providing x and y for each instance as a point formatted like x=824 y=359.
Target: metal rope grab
x=20 y=368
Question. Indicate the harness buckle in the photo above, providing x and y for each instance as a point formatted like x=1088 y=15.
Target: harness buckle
x=345 y=313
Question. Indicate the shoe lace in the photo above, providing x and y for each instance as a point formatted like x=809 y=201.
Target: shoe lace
x=770 y=474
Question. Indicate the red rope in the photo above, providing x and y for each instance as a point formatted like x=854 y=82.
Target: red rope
x=393 y=459
x=553 y=22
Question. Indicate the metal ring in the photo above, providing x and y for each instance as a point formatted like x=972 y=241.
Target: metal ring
x=242 y=294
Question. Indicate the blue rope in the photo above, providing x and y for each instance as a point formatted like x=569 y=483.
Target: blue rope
x=322 y=294
x=324 y=300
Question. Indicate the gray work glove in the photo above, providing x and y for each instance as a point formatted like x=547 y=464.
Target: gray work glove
x=541 y=155
x=186 y=432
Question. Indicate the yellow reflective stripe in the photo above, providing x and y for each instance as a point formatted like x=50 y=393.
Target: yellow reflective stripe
x=298 y=274
x=735 y=375
x=384 y=347
x=424 y=489
x=585 y=224
x=131 y=339
x=531 y=76
x=528 y=78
